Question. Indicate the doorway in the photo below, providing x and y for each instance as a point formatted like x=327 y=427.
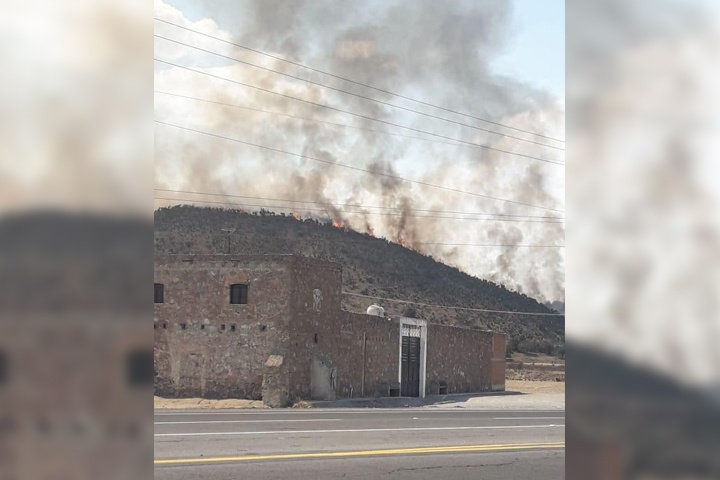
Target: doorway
x=410 y=368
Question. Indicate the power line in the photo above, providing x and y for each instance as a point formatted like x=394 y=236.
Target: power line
x=479 y=145
x=357 y=95
x=510 y=245
x=359 y=83
x=285 y=207
x=387 y=175
x=511 y=312
x=351 y=204
x=385 y=240
x=443 y=244
x=244 y=107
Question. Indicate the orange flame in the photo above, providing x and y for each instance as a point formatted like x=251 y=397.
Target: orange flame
x=296 y=216
x=341 y=225
x=404 y=244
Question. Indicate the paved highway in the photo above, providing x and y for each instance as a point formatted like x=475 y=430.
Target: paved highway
x=365 y=443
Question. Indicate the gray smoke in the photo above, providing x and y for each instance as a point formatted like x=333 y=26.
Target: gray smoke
x=440 y=52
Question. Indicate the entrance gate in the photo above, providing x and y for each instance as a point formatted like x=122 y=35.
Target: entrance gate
x=410 y=368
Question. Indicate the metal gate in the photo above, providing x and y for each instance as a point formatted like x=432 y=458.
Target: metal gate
x=410 y=369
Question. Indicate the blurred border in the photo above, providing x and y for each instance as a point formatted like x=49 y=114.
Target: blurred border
x=643 y=323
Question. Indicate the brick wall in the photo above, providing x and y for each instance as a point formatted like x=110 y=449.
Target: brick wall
x=206 y=359
x=338 y=340
x=461 y=357
x=498 y=362
x=206 y=347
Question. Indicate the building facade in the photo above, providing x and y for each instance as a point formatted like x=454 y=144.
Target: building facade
x=271 y=327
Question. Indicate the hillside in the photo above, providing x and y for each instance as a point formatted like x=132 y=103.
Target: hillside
x=557 y=306
x=371 y=266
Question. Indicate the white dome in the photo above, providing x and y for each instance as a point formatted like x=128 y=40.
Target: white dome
x=376 y=310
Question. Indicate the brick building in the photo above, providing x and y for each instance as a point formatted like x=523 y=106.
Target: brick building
x=271 y=327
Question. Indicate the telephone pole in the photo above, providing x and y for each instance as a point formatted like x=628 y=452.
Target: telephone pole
x=229 y=232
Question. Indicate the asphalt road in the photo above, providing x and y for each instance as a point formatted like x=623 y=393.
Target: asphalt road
x=364 y=443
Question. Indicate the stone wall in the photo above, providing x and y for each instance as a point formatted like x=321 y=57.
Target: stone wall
x=461 y=357
x=315 y=307
x=498 y=362
x=364 y=351
x=206 y=347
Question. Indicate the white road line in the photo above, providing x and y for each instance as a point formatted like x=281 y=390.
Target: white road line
x=394 y=411
x=288 y=420
x=528 y=418
x=359 y=430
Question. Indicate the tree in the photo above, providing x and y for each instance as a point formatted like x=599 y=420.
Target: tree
x=410 y=312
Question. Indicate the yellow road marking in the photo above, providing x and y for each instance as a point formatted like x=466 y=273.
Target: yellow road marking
x=363 y=453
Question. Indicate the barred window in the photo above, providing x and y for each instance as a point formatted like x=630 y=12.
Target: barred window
x=238 y=294
x=159 y=293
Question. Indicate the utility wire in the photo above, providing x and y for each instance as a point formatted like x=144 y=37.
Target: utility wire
x=509 y=245
x=357 y=95
x=244 y=107
x=511 y=312
x=352 y=204
x=385 y=241
x=443 y=244
x=358 y=83
x=479 y=145
x=354 y=212
x=386 y=175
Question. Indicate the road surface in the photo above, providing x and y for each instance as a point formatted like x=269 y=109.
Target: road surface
x=363 y=443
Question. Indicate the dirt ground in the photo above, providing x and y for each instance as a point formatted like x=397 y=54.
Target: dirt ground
x=537 y=358
x=527 y=375
x=537 y=389
x=170 y=403
x=526 y=386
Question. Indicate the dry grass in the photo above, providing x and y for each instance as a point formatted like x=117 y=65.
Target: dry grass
x=526 y=386
x=536 y=358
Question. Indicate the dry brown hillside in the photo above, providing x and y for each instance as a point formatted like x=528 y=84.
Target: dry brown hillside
x=371 y=266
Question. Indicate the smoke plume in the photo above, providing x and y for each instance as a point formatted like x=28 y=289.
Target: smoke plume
x=442 y=53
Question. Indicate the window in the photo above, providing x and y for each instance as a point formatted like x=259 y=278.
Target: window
x=238 y=294
x=159 y=293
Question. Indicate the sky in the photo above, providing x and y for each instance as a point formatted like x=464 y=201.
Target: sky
x=499 y=61
x=536 y=54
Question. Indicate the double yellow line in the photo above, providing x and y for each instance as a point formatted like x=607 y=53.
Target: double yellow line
x=366 y=453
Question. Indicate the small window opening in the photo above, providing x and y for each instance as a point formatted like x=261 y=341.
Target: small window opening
x=263 y=328
x=238 y=294
x=202 y=327
x=164 y=324
x=159 y=293
x=222 y=327
x=315 y=338
x=232 y=328
x=183 y=326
